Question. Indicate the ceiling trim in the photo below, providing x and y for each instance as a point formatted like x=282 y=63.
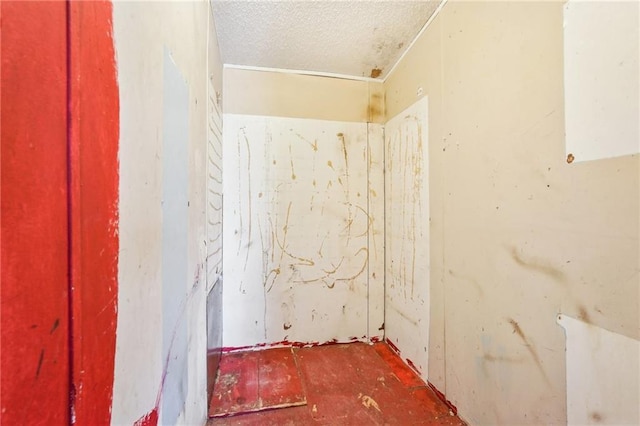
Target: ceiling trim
x=304 y=72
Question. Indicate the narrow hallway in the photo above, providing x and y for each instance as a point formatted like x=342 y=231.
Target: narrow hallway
x=183 y=180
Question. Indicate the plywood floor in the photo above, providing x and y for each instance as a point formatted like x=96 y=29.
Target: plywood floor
x=353 y=384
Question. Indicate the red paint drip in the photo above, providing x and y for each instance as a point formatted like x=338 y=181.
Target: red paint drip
x=149 y=419
x=392 y=346
x=375 y=339
x=413 y=366
x=284 y=343
x=444 y=399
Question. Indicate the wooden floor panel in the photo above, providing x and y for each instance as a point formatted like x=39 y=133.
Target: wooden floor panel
x=256 y=380
x=354 y=384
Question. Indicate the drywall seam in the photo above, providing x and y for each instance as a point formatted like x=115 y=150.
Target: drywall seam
x=415 y=39
x=368 y=160
x=303 y=72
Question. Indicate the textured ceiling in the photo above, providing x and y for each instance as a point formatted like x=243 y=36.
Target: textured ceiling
x=357 y=38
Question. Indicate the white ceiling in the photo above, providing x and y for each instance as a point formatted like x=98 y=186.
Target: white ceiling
x=340 y=37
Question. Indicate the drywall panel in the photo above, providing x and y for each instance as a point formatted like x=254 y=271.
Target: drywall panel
x=142 y=31
x=416 y=76
x=175 y=136
x=297 y=230
x=302 y=96
x=407 y=235
x=603 y=375
x=601 y=79
x=517 y=233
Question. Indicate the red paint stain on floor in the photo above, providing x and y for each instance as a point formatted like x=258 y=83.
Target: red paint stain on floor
x=355 y=384
x=402 y=371
x=256 y=380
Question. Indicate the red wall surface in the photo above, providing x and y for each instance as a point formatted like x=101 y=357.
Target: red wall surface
x=34 y=299
x=60 y=131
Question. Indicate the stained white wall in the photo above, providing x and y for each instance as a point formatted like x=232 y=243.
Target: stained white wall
x=302 y=242
x=517 y=234
x=603 y=375
x=407 y=234
x=151 y=40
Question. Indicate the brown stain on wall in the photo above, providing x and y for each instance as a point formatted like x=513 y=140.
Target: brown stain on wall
x=494 y=358
x=490 y=358
x=376 y=72
x=517 y=329
x=537 y=266
x=534 y=354
x=596 y=417
x=472 y=281
x=583 y=314
x=375 y=108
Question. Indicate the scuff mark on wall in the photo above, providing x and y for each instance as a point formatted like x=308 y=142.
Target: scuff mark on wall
x=530 y=347
x=537 y=265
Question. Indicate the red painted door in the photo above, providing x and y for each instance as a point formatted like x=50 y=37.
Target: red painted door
x=94 y=180
x=59 y=242
x=34 y=244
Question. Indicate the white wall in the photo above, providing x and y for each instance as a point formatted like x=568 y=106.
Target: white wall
x=303 y=248
x=153 y=38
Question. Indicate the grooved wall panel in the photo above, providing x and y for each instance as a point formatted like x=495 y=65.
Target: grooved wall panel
x=214 y=188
